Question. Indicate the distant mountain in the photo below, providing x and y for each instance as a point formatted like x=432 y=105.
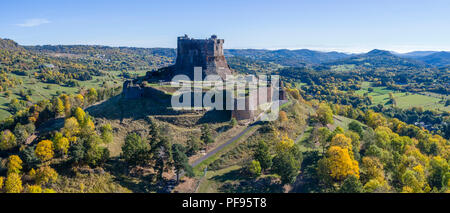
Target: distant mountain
x=439 y=59
x=10 y=45
x=288 y=57
x=415 y=54
x=374 y=60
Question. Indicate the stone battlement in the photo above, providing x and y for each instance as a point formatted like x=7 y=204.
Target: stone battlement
x=205 y=53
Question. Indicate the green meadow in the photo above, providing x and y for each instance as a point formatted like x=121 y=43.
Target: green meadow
x=380 y=95
x=41 y=91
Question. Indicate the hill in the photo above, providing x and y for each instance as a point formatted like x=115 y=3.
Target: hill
x=415 y=54
x=10 y=45
x=439 y=59
x=286 y=57
x=375 y=60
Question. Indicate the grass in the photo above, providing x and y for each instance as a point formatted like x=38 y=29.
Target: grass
x=43 y=91
x=231 y=180
x=343 y=122
x=198 y=170
x=380 y=95
x=210 y=185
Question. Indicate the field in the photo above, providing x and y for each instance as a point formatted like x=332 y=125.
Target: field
x=42 y=91
x=380 y=95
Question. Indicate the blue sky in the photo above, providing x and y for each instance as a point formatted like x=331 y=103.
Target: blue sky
x=342 y=25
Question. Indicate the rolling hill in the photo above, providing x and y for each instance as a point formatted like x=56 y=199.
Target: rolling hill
x=375 y=60
x=439 y=59
x=286 y=57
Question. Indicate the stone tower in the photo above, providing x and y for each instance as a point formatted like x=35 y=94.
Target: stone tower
x=205 y=53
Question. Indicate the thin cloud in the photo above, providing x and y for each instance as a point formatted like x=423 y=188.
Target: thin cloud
x=34 y=22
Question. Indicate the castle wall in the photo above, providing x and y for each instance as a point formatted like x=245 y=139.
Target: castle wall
x=205 y=53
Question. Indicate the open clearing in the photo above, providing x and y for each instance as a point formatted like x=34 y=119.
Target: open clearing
x=380 y=95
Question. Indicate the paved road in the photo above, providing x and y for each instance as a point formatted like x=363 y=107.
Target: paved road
x=213 y=152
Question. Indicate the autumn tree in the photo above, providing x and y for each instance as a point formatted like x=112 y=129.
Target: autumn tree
x=285 y=144
x=44 y=150
x=33 y=189
x=7 y=140
x=374 y=119
x=71 y=127
x=92 y=95
x=67 y=105
x=338 y=165
x=325 y=114
x=14 y=164
x=283 y=117
x=13 y=183
x=61 y=144
x=45 y=175
x=372 y=168
x=342 y=141
x=2 y=182
x=58 y=106
x=80 y=115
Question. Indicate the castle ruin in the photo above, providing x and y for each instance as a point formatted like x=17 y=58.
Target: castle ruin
x=205 y=53
x=209 y=55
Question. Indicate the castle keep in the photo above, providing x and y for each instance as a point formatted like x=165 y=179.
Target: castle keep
x=205 y=53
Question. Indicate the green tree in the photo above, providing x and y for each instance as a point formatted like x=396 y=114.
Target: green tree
x=22 y=132
x=355 y=127
x=206 y=136
x=29 y=157
x=324 y=138
x=262 y=155
x=233 y=122
x=181 y=161
x=194 y=144
x=286 y=166
x=440 y=171
x=254 y=168
x=351 y=185
x=136 y=151
x=107 y=133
